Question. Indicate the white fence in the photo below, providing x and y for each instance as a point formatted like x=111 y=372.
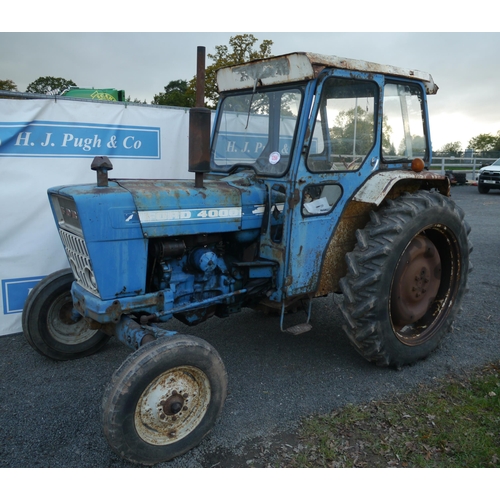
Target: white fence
x=470 y=166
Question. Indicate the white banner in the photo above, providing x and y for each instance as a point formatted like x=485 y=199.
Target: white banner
x=46 y=143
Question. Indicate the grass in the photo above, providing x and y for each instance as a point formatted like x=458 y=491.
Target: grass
x=453 y=424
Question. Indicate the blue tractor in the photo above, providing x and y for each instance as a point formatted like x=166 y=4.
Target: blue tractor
x=314 y=181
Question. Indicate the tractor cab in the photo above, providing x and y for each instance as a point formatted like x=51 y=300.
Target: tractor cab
x=313 y=130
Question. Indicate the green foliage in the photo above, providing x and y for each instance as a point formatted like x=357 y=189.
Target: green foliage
x=452 y=149
x=352 y=123
x=485 y=142
x=8 y=85
x=176 y=93
x=49 y=85
x=418 y=146
x=241 y=50
x=454 y=424
x=362 y=120
x=135 y=100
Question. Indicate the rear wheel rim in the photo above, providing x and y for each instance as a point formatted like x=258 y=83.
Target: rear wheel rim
x=424 y=283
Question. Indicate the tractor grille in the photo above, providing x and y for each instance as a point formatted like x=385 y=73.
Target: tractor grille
x=79 y=260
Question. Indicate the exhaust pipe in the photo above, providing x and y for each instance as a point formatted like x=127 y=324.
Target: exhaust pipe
x=199 y=126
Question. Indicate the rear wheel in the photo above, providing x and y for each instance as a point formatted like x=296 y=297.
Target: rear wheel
x=51 y=325
x=406 y=278
x=164 y=399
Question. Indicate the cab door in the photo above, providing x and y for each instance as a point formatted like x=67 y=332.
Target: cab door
x=342 y=150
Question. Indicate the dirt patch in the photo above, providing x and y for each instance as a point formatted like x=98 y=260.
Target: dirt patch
x=257 y=453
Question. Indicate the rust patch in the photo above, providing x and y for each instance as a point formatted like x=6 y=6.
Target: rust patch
x=160 y=193
x=115 y=310
x=294 y=200
x=334 y=266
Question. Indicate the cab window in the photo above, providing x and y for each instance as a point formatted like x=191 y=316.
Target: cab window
x=344 y=130
x=403 y=132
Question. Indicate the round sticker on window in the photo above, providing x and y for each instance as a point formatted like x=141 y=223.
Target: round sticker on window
x=274 y=158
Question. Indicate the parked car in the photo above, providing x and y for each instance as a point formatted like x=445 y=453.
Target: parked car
x=489 y=177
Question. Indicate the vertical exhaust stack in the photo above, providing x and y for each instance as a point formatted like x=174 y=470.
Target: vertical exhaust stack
x=199 y=126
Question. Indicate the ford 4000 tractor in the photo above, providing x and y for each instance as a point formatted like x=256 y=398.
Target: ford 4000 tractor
x=314 y=180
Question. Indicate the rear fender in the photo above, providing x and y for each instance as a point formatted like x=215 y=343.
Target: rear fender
x=379 y=187
x=391 y=183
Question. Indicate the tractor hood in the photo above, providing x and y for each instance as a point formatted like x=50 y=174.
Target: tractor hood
x=175 y=208
x=137 y=208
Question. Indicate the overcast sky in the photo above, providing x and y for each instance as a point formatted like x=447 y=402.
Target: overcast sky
x=465 y=66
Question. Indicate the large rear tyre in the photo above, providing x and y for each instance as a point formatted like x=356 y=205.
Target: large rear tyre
x=406 y=278
x=164 y=399
x=50 y=324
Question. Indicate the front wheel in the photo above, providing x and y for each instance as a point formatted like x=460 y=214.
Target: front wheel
x=406 y=278
x=483 y=189
x=51 y=325
x=164 y=399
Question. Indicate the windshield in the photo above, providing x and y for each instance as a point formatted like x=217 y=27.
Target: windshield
x=257 y=130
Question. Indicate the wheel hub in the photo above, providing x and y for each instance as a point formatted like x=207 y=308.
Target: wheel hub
x=416 y=282
x=67 y=326
x=174 y=404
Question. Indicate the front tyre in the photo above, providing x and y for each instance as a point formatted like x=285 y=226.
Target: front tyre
x=406 y=278
x=51 y=325
x=164 y=399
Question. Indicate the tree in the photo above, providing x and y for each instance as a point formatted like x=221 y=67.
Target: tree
x=357 y=122
x=240 y=50
x=452 y=149
x=49 y=85
x=176 y=93
x=353 y=123
x=496 y=146
x=8 y=85
x=485 y=142
x=135 y=101
x=418 y=146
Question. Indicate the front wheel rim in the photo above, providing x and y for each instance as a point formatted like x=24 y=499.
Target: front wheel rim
x=64 y=326
x=172 y=405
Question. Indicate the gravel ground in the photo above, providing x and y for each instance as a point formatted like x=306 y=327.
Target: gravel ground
x=50 y=412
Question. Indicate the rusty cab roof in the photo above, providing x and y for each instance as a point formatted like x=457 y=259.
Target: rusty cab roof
x=299 y=66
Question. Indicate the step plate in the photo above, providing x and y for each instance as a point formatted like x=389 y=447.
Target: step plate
x=299 y=329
